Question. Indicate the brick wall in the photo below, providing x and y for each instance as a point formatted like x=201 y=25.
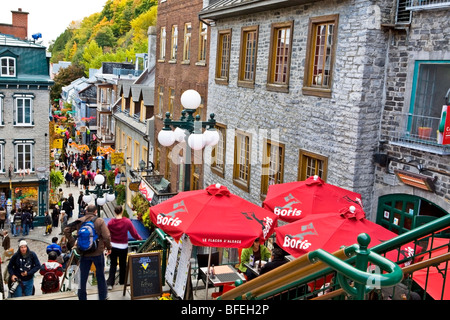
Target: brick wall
x=178 y=75
x=19 y=26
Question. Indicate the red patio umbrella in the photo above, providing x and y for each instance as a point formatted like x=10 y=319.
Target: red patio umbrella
x=213 y=217
x=330 y=231
x=295 y=200
x=436 y=279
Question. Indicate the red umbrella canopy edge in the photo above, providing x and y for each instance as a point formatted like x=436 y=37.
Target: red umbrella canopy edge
x=213 y=217
x=292 y=201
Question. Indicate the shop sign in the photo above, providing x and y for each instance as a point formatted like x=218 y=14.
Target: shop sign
x=444 y=126
x=146 y=191
x=57 y=144
x=117 y=158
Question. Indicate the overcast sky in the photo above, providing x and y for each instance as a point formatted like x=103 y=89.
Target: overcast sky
x=50 y=17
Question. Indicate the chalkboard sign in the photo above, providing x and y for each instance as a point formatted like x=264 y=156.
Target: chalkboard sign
x=145 y=275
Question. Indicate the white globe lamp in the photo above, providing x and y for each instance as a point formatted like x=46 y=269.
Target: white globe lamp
x=110 y=197
x=99 y=179
x=196 y=141
x=87 y=198
x=179 y=134
x=101 y=201
x=211 y=137
x=191 y=99
x=166 y=137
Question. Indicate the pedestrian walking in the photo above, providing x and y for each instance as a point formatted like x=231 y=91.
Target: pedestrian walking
x=96 y=256
x=81 y=205
x=55 y=215
x=76 y=176
x=67 y=208
x=63 y=220
x=17 y=222
x=71 y=201
x=6 y=244
x=48 y=223
x=119 y=228
x=2 y=217
x=22 y=267
x=86 y=180
x=68 y=177
x=26 y=219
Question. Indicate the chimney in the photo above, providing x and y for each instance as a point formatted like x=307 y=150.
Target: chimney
x=151 y=32
x=20 y=23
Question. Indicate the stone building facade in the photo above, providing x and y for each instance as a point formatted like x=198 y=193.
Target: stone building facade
x=24 y=123
x=339 y=127
x=413 y=178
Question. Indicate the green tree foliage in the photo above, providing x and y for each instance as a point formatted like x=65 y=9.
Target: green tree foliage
x=114 y=34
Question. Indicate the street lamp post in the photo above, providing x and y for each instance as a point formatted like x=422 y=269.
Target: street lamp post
x=43 y=177
x=100 y=195
x=189 y=129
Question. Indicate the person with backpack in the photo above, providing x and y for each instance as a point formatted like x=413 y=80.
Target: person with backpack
x=22 y=267
x=51 y=271
x=93 y=238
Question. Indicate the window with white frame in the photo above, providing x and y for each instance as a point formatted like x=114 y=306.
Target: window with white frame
x=174 y=43
x=24 y=156
x=8 y=67
x=23 y=109
x=1 y=110
x=2 y=156
x=187 y=41
x=162 y=44
x=203 y=40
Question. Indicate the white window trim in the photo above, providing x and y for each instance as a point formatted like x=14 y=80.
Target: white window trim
x=2 y=123
x=2 y=156
x=1 y=66
x=23 y=96
x=16 y=155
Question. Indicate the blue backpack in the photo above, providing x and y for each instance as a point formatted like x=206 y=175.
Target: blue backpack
x=87 y=237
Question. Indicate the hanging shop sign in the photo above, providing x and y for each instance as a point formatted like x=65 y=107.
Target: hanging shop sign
x=146 y=191
x=117 y=158
x=58 y=143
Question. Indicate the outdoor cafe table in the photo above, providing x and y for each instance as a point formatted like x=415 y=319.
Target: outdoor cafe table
x=224 y=274
x=254 y=269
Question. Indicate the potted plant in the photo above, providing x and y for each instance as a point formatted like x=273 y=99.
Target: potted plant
x=120 y=190
x=424 y=132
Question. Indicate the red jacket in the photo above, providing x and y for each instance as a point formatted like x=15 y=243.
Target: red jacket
x=119 y=228
x=51 y=266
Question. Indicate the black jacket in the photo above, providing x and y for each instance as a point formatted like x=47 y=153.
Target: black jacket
x=28 y=262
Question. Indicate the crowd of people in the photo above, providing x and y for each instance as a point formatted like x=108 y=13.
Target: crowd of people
x=112 y=240
x=22 y=263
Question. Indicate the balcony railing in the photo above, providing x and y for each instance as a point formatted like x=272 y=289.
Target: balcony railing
x=126 y=72
x=426 y=4
x=414 y=131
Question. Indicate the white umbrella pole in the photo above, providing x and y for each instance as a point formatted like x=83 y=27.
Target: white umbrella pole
x=207 y=274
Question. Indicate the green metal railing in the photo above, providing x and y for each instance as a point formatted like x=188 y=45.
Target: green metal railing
x=305 y=278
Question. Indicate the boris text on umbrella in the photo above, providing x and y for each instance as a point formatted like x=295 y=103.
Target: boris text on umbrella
x=287 y=210
x=298 y=241
x=171 y=218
